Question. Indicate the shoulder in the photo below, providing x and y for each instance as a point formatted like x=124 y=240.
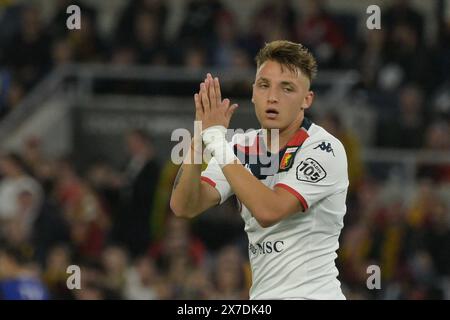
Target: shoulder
x=321 y=155
x=324 y=144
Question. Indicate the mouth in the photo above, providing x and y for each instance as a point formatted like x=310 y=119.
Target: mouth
x=271 y=113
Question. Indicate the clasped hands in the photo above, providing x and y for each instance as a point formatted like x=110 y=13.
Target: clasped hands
x=214 y=115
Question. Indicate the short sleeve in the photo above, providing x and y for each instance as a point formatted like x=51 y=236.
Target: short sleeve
x=213 y=176
x=319 y=170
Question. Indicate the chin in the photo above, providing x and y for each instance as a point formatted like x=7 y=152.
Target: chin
x=271 y=124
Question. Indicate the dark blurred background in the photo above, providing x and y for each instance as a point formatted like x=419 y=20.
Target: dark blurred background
x=86 y=118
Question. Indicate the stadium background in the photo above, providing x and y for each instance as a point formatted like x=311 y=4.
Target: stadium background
x=86 y=118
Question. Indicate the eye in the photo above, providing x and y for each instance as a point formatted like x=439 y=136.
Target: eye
x=263 y=85
x=287 y=89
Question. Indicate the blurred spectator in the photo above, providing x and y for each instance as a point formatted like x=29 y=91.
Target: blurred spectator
x=107 y=184
x=17 y=282
x=20 y=194
x=114 y=261
x=147 y=40
x=55 y=272
x=12 y=94
x=229 y=275
x=437 y=238
x=396 y=129
x=406 y=59
x=124 y=56
x=62 y=52
x=198 y=284
x=226 y=41
x=177 y=242
x=273 y=20
x=18 y=229
x=195 y=58
x=141 y=177
x=318 y=31
x=29 y=68
x=88 y=222
x=437 y=138
x=199 y=18
x=402 y=13
x=93 y=276
x=279 y=12
x=178 y=254
x=91 y=292
x=49 y=229
x=32 y=153
x=86 y=43
x=372 y=57
x=131 y=13
x=9 y=23
x=141 y=280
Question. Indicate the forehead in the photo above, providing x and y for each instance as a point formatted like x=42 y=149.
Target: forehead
x=273 y=70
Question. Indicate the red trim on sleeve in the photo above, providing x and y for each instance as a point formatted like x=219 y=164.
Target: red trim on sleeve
x=294 y=193
x=208 y=181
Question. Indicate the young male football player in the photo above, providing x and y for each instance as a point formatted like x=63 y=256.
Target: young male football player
x=294 y=213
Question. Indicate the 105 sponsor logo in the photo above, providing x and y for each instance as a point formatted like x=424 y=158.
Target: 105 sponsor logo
x=310 y=170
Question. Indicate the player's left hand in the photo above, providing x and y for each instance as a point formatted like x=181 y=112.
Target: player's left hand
x=210 y=108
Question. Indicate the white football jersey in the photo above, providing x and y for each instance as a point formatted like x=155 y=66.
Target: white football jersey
x=294 y=259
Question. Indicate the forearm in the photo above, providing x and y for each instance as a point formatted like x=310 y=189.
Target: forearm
x=262 y=201
x=187 y=186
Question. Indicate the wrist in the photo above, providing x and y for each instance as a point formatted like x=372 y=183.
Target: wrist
x=194 y=154
x=215 y=142
x=197 y=145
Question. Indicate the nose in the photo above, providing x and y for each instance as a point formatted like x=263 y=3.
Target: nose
x=272 y=98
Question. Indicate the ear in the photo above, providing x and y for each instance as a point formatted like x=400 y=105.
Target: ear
x=308 y=100
x=253 y=93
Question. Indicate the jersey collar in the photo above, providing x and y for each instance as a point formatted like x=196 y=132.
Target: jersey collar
x=301 y=135
x=258 y=146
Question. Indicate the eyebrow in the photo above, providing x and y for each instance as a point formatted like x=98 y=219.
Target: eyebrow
x=288 y=83
x=262 y=79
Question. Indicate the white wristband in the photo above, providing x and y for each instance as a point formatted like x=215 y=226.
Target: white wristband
x=215 y=142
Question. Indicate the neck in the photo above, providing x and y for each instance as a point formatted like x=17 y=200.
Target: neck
x=284 y=134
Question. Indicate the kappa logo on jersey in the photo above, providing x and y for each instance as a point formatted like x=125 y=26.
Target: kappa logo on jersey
x=310 y=170
x=325 y=147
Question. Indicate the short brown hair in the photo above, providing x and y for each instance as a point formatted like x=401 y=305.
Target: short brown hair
x=292 y=55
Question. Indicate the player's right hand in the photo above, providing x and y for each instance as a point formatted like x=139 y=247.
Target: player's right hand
x=209 y=106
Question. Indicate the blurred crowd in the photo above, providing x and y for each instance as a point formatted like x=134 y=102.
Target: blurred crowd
x=112 y=225
x=115 y=223
x=404 y=67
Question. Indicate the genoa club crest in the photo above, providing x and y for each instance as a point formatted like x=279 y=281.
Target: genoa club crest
x=288 y=158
